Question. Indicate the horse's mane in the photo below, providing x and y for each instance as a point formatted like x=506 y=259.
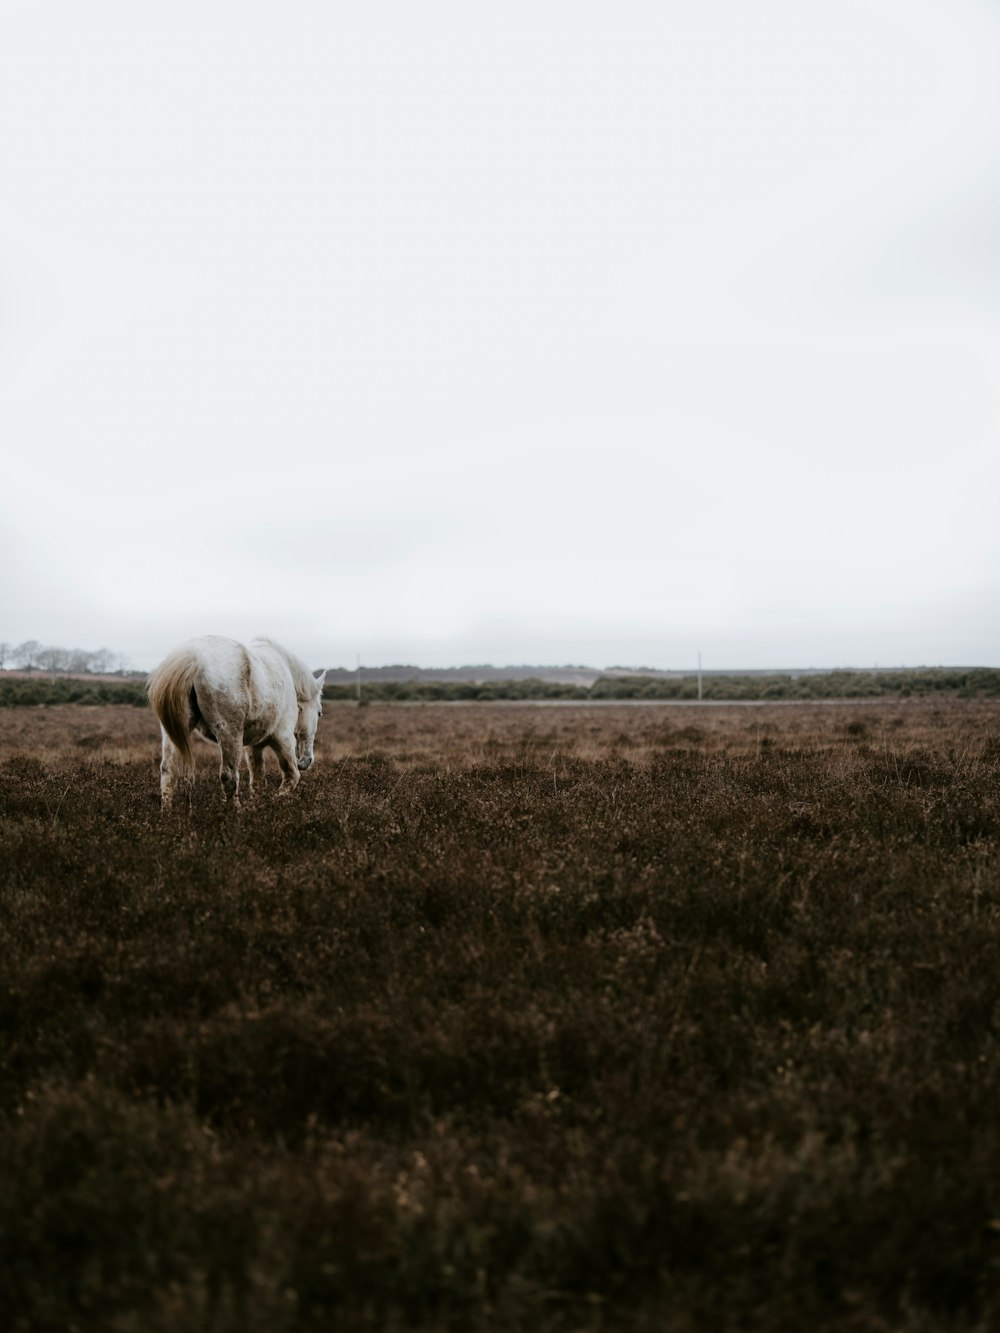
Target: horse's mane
x=302 y=678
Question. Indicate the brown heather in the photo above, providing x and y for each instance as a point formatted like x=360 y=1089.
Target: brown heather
x=514 y=1018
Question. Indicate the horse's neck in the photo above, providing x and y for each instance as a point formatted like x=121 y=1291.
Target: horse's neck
x=295 y=667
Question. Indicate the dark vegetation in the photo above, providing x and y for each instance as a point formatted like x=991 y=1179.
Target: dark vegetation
x=456 y=691
x=979 y=682
x=968 y=683
x=24 y=691
x=514 y=1018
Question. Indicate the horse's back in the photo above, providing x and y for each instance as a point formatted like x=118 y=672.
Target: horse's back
x=223 y=664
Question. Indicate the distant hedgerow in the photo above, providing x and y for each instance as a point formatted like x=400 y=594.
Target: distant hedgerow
x=979 y=682
x=456 y=691
x=23 y=692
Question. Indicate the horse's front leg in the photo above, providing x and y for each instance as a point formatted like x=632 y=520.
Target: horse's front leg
x=284 y=748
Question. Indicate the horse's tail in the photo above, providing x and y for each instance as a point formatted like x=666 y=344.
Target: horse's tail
x=169 y=691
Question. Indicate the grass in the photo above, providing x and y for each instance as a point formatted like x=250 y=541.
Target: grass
x=612 y=1018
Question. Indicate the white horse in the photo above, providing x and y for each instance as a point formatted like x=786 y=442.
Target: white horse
x=243 y=699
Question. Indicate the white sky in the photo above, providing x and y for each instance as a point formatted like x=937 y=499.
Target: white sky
x=533 y=332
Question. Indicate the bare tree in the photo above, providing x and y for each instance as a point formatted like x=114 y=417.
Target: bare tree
x=53 y=659
x=34 y=656
x=26 y=654
x=102 y=661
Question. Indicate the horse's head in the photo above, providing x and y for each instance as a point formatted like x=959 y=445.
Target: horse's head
x=310 y=711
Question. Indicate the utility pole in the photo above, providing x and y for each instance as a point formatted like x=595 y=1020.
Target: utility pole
x=699 y=677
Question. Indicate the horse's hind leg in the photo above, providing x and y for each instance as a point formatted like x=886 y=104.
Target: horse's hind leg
x=172 y=769
x=231 y=746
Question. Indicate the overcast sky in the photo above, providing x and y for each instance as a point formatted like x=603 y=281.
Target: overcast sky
x=548 y=332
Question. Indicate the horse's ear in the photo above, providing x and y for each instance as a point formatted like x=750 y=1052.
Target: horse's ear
x=320 y=675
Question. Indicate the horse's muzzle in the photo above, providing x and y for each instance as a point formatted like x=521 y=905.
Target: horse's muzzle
x=305 y=763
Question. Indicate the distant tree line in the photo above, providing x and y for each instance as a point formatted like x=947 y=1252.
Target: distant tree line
x=34 y=656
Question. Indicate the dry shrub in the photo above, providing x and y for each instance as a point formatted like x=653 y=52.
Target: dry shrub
x=511 y=1017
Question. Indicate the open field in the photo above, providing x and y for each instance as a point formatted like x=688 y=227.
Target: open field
x=511 y=1017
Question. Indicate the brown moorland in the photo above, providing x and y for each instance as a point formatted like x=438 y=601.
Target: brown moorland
x=511 y=1017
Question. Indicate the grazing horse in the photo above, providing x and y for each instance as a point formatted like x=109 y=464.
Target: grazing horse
x=243 y=699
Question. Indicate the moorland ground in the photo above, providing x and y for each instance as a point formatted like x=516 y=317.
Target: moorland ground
x=621 y=1018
